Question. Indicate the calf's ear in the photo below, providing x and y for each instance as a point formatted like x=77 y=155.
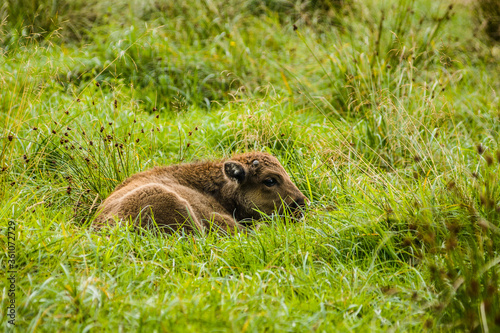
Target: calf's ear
x=235 y=171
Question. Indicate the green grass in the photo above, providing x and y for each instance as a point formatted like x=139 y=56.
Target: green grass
x=385 y=114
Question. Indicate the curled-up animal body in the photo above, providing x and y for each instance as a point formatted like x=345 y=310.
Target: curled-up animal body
x=198 y=196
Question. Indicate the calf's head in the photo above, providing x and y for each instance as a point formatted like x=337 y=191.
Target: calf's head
x=260 y=183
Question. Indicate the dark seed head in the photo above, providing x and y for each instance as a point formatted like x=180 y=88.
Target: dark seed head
x=295 y=27
x=473 y=289
x=102 y=129
x=483 y=199
x=453 y=227
x=137 y=140
x=480 y=149
x=451 y=243
x=78 y=100
x=10 y=137
x=407 y=241
x=35 y=128
x=154 y=109
x=489 y=159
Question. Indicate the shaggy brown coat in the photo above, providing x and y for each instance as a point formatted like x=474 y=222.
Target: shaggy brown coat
x=216 y=194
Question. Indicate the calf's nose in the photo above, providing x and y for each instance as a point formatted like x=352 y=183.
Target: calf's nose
x=301 y=201
x=298 y=202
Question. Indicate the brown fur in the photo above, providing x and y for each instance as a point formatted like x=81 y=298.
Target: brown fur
x=200 y=195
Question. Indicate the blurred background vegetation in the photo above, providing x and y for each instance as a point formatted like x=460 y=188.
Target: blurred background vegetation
x=208 y=51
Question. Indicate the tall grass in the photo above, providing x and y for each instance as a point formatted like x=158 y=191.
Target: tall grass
x=384 y=114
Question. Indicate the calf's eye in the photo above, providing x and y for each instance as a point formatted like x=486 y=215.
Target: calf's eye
x=269 y=182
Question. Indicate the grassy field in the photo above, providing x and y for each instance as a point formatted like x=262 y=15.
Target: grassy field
x=386 y=114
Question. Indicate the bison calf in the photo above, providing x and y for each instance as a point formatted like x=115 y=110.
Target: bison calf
x=217 y=194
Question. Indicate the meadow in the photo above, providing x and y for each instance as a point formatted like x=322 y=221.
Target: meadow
x=386 y=115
